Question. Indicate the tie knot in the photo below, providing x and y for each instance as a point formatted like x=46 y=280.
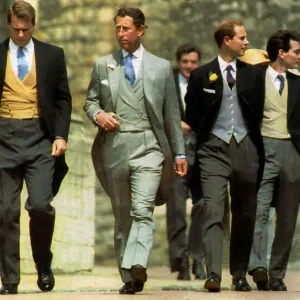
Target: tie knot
x=229 y=68
x=20 y=52
x=281 y=78
x=129 y=57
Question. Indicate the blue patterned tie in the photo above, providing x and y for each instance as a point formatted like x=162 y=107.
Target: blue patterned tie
x=22 y=64
x=281 y=79
x=129 y=71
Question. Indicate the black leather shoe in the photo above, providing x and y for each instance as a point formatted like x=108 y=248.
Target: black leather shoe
x=184 y=269
x=213 y=283
x=277 y=285
x=139 y=276
x=9 y=289
x=127 y=288
x=241 y=284
x=260 y=277
x=198 y=270
x=46 y=279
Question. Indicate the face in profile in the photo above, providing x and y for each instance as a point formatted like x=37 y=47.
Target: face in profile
x=290 y=58
x=20 y=31
x=238 y=44
x=187 y=63
x=127 y=34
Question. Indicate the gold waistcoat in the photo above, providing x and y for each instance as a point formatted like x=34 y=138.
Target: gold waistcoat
x=19 y=98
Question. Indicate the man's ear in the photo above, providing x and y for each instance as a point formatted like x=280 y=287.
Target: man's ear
x=141 y=30
x=281 y=53
x=226 y=40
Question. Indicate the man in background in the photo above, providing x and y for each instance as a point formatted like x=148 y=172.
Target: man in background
x=280 y=128
x=188 y=58
x=35 y=113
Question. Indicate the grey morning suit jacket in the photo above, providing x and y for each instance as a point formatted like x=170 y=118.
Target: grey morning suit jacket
x=161 y=107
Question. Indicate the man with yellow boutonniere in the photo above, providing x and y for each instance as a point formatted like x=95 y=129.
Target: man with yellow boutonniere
x=224 y=105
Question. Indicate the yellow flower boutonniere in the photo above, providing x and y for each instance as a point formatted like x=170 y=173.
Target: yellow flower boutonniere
x=212 y=76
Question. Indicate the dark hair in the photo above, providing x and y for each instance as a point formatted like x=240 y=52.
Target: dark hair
x=135 y=13
x=281 y=40
x=186 y=49
x=22 y=10
x=226 y=28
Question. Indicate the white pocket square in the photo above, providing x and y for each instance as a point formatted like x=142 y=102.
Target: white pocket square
x=112 y=66
x=209 y=91
x=104 y=81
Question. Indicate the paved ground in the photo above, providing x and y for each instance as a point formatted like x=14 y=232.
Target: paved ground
x=104 y=282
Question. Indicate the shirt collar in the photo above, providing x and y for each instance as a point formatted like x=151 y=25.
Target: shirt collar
x=137 y=53
x=223 y=64
x=274 y=73
x=182 y=79
x=14 y=48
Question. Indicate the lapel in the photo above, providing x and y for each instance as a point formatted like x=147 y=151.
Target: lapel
x=3 y=59
x=41 y=62
x=217 y=85
x=293 y=91
x=178 y=91
x=113 y=66
x=149 y=68
x=242 y=79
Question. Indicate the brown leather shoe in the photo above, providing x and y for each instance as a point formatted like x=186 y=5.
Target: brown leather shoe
x=213 y=283
x=260 y=277
x=139 y=276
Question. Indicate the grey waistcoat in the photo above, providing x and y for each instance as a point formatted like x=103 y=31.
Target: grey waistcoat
x=130 y=106
x=230 y=121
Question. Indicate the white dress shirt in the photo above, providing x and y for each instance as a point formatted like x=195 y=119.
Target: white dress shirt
x=273 y=74
x=223 y=65
x=183 y=83
x=136 y=60
x=28 y=52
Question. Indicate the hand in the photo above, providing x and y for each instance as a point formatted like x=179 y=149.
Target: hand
x=107 y=121
x=180 y=167
x=59 y=147
x=186 y=129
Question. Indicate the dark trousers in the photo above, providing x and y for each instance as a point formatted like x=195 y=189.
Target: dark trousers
x=25 y=154
x=281 y=182
x=219 y=163
x=179 y=246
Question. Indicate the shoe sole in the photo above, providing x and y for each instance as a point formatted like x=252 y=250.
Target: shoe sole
x=261 y=280
x=139 y=274
x=212 y=287
x=139 y=277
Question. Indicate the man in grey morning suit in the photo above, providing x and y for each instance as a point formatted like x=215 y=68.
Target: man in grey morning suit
x=188 y=58
x=280 y=129
x=35 y=113
x=224 y=105
x=132 y=98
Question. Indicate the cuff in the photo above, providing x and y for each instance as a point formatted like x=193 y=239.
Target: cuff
x=180 y=156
